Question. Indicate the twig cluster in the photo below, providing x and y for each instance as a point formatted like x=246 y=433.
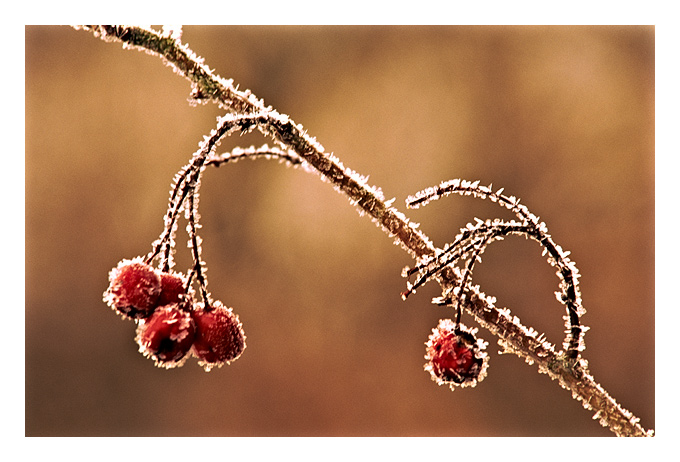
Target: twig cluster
x=184 y=193
x=471 y=242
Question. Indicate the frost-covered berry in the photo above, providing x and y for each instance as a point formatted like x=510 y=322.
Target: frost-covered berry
x=456 y=358
x=134 y=289
x=166 y=336
x=219 y=335
x=172 y=289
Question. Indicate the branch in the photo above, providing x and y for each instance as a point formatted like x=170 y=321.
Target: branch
x=296 y=146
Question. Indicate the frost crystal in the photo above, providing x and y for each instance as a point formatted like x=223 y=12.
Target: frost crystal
x=175 y=33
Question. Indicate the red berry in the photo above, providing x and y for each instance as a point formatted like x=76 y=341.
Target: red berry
x=166 y=336
x=219 y=335
x=172 y=289
x=134 y=289
x=455 y=357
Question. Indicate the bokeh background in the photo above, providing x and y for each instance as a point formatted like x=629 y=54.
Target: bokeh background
x=562 y=117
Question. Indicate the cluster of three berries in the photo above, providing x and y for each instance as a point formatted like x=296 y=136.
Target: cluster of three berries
x=171 y=325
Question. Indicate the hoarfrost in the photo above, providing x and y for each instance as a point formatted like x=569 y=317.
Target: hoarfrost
x=175 y=32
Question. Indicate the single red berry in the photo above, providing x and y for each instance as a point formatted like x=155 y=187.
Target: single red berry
x=172 y=289
x=219 y=335
x=134 y=289
x=455 y=356
x=166 y=336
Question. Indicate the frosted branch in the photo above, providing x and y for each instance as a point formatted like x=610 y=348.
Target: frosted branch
x=294 y=145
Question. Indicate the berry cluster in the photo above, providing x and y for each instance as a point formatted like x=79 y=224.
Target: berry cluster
x=173 y=320
x=171 y=326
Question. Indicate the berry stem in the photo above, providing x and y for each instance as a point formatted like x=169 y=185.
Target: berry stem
x=196 y=251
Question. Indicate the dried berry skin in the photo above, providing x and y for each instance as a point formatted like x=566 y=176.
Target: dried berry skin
x=172 y=289
x=134 y=289
x=219 y=335
x=166 y=336
x=455 y=357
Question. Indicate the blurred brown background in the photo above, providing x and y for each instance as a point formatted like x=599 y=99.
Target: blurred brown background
x=562 y=117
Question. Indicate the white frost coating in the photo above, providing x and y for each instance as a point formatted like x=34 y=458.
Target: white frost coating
x=175 y=32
